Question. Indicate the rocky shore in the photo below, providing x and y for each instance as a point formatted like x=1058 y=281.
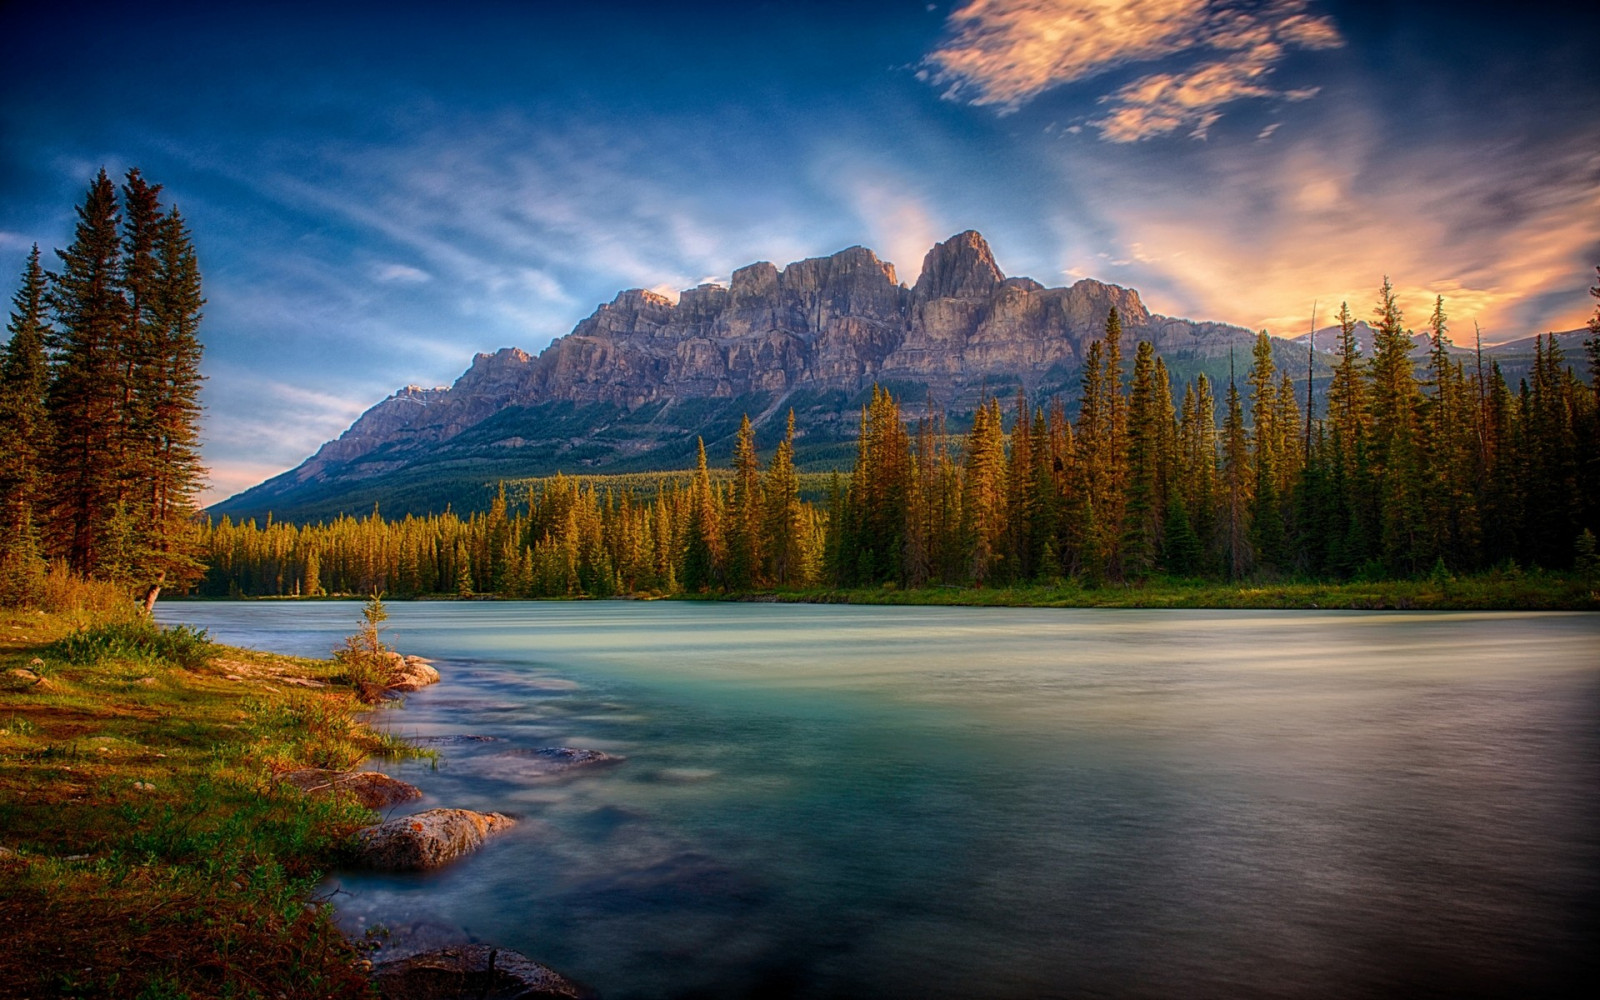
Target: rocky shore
x=432 y=839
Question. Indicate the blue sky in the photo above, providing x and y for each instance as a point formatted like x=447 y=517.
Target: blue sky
x=379 y=191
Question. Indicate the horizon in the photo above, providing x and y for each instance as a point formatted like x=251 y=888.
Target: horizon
x=377 y=194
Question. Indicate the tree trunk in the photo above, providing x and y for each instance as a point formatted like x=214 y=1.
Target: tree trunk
x=154 y=592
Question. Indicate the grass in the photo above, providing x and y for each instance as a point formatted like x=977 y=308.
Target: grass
x=1495 y=591
x=148 y=850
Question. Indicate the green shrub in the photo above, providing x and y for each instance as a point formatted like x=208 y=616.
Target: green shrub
x=140 y=640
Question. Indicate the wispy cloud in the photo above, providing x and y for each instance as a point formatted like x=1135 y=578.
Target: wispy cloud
x=1004 y=53
x=402 y=273
x=1324 y=217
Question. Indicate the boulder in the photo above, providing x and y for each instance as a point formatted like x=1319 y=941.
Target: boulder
x=372 y=789
x=478 y=971
x=556 y=760
x=410 y=673
x=427 y=839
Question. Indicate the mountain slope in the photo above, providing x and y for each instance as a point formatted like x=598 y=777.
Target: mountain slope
x=634 y=384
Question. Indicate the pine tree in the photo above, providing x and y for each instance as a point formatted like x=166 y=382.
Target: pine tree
x=703 y=555
x=984 y=499
x=1141 y=531
x=170 y=405
x=24 y=422
x=782 y=518
x=1236 y=473
x=86 y=387
x=1347 y=396
x=743 y=526
x=1395 y=456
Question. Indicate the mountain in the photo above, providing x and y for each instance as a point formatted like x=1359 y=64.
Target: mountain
x=634 y=384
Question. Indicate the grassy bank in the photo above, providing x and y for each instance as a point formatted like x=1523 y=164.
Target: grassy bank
x=1492 y=591
x=145 y=849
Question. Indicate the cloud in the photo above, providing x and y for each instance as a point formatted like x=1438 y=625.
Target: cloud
x=1004 y=53
x=242 y=448
x=898 y=226
x=1504 y=236
x=402 y=273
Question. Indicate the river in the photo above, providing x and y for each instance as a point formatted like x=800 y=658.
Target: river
x=823 y=801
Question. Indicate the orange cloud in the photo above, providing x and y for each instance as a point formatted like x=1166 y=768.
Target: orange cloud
x=1327 y=221
x=1006 y=52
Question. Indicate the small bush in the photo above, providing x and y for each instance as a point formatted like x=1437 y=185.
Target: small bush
x=140 y=640
x=368 y=664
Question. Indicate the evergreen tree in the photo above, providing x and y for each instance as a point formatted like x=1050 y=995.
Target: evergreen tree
x=24 y=422
x=1394 y=402
x=1347 y=396
x=1141 y=530
x=1236 y=473
x=782 y=521
x=984 y=500
x=87 y=387
x=170 y=396
x=702 y=557
x=744 y=520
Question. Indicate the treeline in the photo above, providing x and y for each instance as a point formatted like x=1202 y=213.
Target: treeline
x=99 y=401
x=574 y=537
x=1412 y=470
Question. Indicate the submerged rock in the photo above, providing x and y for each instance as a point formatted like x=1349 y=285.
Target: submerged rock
x=479 y=971
x=453 y=739
x=428 y=839
x=556 y=760
x=372 y=789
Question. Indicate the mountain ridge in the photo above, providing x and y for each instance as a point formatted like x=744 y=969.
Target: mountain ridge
x=639 y=379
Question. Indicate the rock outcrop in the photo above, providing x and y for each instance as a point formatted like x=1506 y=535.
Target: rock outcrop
x=409 y=673
x=427 y=839
x=476 y=971
x=373 y=789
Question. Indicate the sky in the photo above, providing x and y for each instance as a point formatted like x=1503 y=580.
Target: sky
x=379 y=191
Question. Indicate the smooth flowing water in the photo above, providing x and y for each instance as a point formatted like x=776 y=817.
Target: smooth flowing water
x=950 y=802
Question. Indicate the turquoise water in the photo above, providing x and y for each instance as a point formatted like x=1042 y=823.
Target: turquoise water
x=950 y=802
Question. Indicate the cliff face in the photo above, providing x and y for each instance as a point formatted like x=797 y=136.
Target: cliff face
x=835 y=322
x=830 y=323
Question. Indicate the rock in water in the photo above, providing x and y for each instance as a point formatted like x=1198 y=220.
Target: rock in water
x=372 y=789
x=411 y=673
x=428 y=839
x=554 y=760
x=478 y=971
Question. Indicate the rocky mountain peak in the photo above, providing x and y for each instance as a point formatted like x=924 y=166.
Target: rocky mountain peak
x=643 y=372
x=962 y=267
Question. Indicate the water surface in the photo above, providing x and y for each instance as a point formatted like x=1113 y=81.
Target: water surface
x=951 y=802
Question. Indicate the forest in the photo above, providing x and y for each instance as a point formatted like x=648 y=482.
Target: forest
x=100 y=402
x=1419 y=466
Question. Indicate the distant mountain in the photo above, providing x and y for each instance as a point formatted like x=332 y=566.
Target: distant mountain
x=635 y=384
x=1570 y=342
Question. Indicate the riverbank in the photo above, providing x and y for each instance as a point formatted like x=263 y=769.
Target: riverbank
x=145 y=848
x=1487 y=592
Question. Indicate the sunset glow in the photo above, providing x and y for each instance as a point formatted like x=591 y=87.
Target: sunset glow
x=391 y=192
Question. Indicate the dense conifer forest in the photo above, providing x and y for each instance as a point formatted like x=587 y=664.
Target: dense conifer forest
x=1416 y=469
x=99 y=402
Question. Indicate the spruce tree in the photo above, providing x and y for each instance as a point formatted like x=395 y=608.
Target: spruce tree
x=743 y=526
x=87 y=386
x=25 y=430
x=782 y=517
x=1141 y=531
x=1236 y=475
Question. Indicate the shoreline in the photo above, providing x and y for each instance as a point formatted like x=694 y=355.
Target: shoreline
x=1533 y=591
x=149 y=836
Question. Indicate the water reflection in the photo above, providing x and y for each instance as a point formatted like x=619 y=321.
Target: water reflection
x=973 y=802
